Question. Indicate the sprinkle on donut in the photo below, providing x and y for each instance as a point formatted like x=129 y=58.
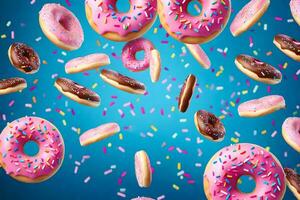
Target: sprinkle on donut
x=293 y=181
x=258 y=70
x=77 y=92
x=288 y=45
x=230 y=163
x=209 y=125
x=24 y=58
x=105 y=19
x=11 y=85
x=123 y=82
x=194 y=30
x=130 y=50
x=61 y=26
x=17 y=163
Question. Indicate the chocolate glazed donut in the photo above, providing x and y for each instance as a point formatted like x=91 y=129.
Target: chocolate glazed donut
x=122 y=82
x=288 y=46
x=77 y=92
x=293 y=181
x=258 y=70
x=11 y=85
x=209 y=125
x=186 y=93
x=24 y=58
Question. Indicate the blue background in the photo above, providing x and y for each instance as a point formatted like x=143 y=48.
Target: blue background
x=67 y=185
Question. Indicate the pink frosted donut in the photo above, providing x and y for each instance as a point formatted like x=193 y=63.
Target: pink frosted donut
x=105 y=19
x=291 y=132
x=88 y=62
x=61 y=26
x=99 y=133
x=142 y=169
x=194 y=29
x=262 y=106
x=295 y=10
x=129 y=51
x=25 y=168
x=230 y=163
x=200 y=55
x=248 y=16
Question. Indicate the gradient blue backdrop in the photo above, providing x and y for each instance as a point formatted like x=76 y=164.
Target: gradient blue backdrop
x=66 y=185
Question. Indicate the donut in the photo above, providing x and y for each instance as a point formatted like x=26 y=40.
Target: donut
x=61 y=26
x=186 y=93
x=142 y=198
x=142 y=169
x=199 y=55
x=291 y=132
x=288 y=45
x=209 y=125
x=122 y=82
x=77 y=92
x=89 y=62
x=24 y=58
x=99 y=133
x=224 y=169
x=175 y=18
x=155 y=65
x=129 y=54
x=294 y=6
x=262 y=106
x=26 y=168
x=12 y=85
x=258 y=70
x=248 y=16
x=293 y=181
x=104 y=18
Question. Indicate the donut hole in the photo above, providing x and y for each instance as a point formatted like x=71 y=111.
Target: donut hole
x=140 y=55
x=194 y=8
x=123 y=6
x=64 y=21
x=246 y=184
x=31 y=148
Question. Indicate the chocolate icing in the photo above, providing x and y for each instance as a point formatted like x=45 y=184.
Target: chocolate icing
x=293 y=178
x=187 y=89
x=24 y=58
x=261 y=69
x=209 y=125
x=11 y=82
x=288 y=43
x=122 y=80
x=72 y=87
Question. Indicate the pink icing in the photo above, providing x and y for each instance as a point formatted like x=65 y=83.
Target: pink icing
x=87 y=60
x=295 y=7
x=63 y=24
x=213 y=17
x=108 y=19
x=131 y=48
x=231 y=162
x=263 y=103
x=100 y=130
x=138 y=162
x=247 y=13
x=200 y=53
x=291 y=127
x=48 y=138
